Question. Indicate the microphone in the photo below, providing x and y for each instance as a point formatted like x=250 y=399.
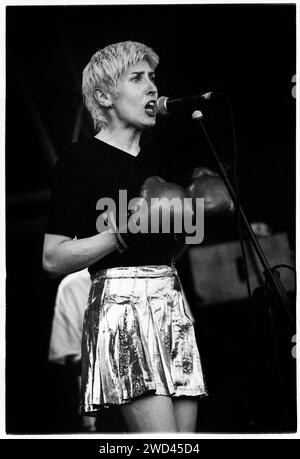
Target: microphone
x=164 y=105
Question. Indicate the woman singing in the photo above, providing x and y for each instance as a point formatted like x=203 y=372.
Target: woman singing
x=139 y=350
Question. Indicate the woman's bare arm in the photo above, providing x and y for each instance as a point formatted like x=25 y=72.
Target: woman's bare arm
x=63 y=255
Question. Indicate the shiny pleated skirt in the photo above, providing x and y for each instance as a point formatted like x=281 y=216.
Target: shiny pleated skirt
x=137 y=338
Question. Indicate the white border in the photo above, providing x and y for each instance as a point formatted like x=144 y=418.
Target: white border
x=107 y=437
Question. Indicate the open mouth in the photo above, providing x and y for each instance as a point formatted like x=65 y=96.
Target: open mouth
x=150 y=107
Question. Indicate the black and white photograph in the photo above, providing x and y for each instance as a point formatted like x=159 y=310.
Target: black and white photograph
x=150 y=220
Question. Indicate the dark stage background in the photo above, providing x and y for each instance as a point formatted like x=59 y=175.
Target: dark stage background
x=245 y=51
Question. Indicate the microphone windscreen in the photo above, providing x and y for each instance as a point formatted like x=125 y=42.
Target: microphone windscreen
x=161 y=105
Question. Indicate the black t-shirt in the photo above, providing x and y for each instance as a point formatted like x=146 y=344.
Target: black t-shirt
x=92 y=170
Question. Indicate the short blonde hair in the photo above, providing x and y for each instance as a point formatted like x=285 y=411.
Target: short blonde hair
x=104 y=70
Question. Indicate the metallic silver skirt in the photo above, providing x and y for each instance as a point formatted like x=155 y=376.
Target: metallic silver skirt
x=137 y=338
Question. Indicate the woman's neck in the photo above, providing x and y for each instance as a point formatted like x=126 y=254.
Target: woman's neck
x=123 y=139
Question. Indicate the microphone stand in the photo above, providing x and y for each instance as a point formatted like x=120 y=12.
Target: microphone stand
x=273 y=293
x=276 y=290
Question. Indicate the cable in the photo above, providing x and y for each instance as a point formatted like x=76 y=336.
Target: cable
x=284 y=266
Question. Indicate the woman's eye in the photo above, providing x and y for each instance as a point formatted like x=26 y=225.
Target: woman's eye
x=137 y=78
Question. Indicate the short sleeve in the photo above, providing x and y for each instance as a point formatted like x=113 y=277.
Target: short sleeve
x=62 y=216
x=71 y=300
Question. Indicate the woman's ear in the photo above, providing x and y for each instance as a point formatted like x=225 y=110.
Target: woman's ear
x=103 y=99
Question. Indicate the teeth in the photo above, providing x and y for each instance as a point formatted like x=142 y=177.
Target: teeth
x=150 y=105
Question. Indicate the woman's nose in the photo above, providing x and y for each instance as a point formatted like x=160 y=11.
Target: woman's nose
x=151 y=87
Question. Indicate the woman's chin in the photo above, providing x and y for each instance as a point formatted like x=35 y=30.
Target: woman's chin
x=149 y=122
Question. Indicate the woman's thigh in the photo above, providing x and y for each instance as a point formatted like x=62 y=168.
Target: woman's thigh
x=185 y=410
x=150 y=413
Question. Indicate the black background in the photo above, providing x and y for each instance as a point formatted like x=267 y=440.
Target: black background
x=245 y=51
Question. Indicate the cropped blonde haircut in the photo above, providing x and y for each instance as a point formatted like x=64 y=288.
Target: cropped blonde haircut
x=104 y=70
